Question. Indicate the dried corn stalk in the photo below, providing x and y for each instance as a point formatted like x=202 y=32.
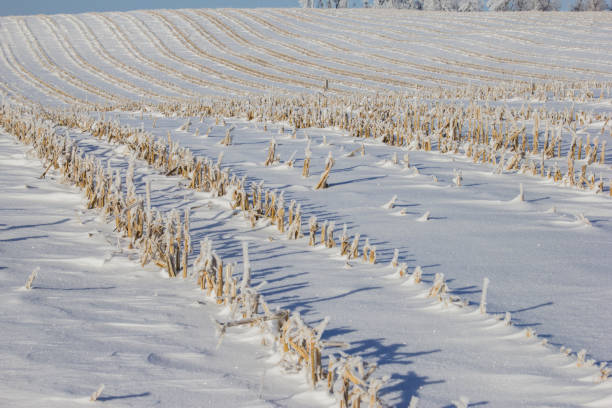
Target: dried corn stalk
x=328 y=166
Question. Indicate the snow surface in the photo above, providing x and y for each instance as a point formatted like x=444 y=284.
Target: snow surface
x=94 y=316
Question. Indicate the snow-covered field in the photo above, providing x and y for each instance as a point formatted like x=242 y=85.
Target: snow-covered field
x=475 y=146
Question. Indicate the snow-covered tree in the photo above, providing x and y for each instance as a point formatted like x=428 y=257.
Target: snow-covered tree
x=470 y=5
x=600 y=5
x=433 y=5
x=399 y=4
x=546 y=5
x=452 y=5
x=500 y=5
x=589 y=5
x=343 y=4
x=414 y=4
x=307 y=3
x=523 y=5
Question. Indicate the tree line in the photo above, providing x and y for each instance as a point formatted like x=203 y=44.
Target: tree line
x=463 y=5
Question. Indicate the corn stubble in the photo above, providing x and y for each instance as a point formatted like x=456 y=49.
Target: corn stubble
x=164 y=240
x=477 y=131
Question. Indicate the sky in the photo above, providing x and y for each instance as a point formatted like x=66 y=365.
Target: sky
x=22 y=7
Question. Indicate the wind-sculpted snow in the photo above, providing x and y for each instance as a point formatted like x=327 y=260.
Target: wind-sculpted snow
x=285 y=207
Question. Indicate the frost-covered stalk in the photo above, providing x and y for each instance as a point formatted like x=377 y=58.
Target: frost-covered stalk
x=366 y=249
x=417 y=275
x=31 y=278
x=391 y=203
x=324 y=233
x=280 y=213
x=581 y=358
x=463 y=402
x=169 y=246
x=227 y=140
x=148 y=194
x=246 y=273
x=521 y=196
x=271 y=153
x=291 y=160
x=439 y=286
x=199 y=264
x=295 y=229
x=395 y=260
x=507 y=319
x=458 y=177
x=483 y=298
x=328 y=166
x=354 y=251
x=372 y=257
x=97 y=393
x=186 y=242
x=330 y=242
x=344 y=241
x=536 y=124
x=604 y=371
x=313 y=226
x=290 y=212
x=129 y=179
x=185 y=126
x=403 y=267
x=306 y=167
x=219 y=283
x=424 y=217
